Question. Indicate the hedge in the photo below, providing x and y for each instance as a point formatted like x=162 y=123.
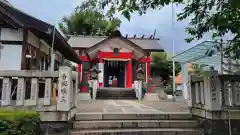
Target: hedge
x=19 y=122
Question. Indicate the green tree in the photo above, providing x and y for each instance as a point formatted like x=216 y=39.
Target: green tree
x=161 y=66
x=88 y=19
x=220 y=17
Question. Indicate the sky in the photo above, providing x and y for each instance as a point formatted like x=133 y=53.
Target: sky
x=52 y=11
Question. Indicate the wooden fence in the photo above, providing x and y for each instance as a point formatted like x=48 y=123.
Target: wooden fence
x=39 y=88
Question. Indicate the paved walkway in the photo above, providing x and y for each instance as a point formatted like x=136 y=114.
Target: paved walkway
x=130 y=106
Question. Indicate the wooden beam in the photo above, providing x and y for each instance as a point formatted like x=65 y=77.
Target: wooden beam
x=24 y=48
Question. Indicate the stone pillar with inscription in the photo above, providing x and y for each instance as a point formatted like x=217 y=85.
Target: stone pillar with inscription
x=34 y=92
x=64 y=89
x=212 y=87
x=21 y=91
x=6 y=92
x=189 y=91
x=236 y=93
x=48 y=91
x=228 y=86
x=197 y=91
x=202 y=92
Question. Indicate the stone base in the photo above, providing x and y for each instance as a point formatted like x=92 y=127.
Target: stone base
x=83 y=96
x=151 y=97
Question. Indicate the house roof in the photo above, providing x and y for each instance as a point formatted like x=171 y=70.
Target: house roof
x=89 y=41
x=138 y=51
x=179 y=78
x=205 y=53
x=40 y=28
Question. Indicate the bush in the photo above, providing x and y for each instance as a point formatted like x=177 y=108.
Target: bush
x=19 y=122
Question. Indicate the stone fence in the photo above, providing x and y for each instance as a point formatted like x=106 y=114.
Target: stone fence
x=214 y=96
x=52 y=93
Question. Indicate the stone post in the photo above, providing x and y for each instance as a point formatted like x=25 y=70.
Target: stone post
x=6 y=92
x=21 y=91
x=138 y=88
x=197 y=90
x=236 y=93
x=189 y=91
x=138 y=83
x=202 y=93
x=94 y=88
x=64 y=89
x=94 y=76
x=212 y=87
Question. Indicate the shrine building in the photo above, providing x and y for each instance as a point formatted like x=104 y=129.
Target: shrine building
x=117 y=58
x=26 y=42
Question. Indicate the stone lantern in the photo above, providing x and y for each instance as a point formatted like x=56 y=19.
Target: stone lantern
x=94 y=71
x=140 y=74
x=94 y=83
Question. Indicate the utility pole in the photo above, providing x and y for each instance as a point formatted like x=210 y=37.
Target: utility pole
x=52 y=50
x=154 y=33
x=1 y=48
x=173 y=61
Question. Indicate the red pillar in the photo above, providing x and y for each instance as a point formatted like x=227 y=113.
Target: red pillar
x=82 y=74
x=100 y=75
x=148 y=62
x=129 y=74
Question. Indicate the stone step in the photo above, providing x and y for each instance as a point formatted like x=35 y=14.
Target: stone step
x=155 y=131
x=116 y=124
x=116 y=94
x=132 y=116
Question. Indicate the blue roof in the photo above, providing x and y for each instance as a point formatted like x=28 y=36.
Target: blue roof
x=205 y=53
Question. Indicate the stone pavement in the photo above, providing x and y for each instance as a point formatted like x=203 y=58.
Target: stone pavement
x=131 y=106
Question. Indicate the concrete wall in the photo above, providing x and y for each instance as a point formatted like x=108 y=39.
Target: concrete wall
x=10 y=58
x=10 y=54
x=11 y=34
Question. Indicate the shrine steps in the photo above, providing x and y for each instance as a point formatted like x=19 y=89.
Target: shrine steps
x=116 y=93
x=135 y=124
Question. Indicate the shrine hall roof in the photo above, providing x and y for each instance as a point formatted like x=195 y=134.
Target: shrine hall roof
x=89 y=41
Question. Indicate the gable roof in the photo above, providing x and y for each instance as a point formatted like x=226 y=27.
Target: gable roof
x=117 y=35
x=89 y=41
x=40 y=28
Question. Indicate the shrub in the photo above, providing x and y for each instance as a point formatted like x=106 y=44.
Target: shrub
x=19 y=122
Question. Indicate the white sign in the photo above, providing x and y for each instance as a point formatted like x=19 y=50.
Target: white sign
x=100 y=75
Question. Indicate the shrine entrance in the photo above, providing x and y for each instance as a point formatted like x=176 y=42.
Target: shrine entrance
x=114 y=73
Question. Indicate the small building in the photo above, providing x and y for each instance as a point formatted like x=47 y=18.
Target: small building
x=116 y=56
x=26 y=42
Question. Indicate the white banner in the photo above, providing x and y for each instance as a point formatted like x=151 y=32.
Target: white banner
x=100 y=75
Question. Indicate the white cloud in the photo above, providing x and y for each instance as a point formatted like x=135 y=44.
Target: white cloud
x=75 y=3
x=161 y=20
